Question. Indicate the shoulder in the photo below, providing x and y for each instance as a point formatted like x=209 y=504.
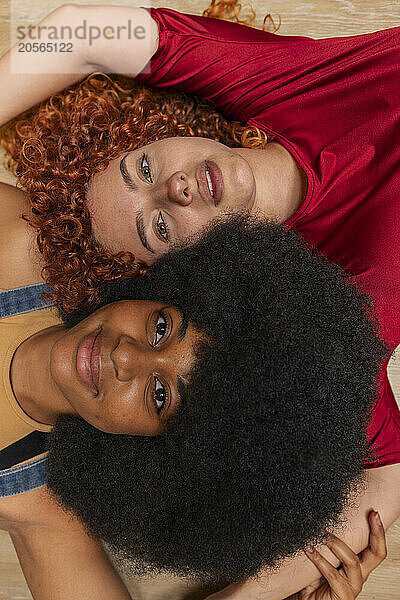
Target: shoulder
x=13 y=202
x=34 y=508
x=22 y=265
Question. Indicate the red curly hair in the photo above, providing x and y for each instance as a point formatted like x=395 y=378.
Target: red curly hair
x=56 y=148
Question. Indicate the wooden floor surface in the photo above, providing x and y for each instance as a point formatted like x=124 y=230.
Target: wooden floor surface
x=316 y=18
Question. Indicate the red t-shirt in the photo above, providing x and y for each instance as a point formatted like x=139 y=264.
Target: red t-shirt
x=334 y=104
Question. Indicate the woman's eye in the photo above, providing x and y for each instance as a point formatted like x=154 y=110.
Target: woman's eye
x=162 y=228
x=161 y=328
x=144 y=166
x=160 y=395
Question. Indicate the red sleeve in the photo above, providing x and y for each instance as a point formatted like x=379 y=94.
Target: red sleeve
x=220 y=61
x=311 y=91
x=384 y=428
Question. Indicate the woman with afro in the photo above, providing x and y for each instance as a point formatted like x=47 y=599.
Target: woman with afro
x=116 y=172
x=234 y=384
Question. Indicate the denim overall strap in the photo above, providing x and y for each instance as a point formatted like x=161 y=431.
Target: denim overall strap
x=23 y=478
x=32 y=474
x=24 y=299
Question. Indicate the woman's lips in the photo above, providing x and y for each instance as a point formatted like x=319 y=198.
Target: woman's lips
x=216 y=180
x=88 y=359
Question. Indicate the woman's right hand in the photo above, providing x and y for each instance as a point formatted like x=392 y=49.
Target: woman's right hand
x=346 y=582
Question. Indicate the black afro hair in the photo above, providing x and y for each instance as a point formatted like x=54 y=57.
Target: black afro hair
x=270 y=441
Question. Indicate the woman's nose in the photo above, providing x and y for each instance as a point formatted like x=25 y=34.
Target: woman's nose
x=179 y=190
x=131 y=359
x=125 y=358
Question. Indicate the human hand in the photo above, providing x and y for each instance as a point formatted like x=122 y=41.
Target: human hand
x=347 y=582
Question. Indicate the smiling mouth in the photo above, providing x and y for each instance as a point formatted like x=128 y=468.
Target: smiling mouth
x=88 y=360
x=210 y=182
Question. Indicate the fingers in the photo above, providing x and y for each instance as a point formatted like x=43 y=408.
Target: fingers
x=355 y=570
x=346 y=588
x=350 y=585
x=350 y=562
x=376 y=552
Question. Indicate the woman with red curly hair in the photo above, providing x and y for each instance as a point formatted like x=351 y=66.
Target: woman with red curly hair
x=93 y=224
x=115 y=172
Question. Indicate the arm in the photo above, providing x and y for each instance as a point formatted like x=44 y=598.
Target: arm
x=381 y=494
x=236 y=68
x=59 y=560
x=44 y=73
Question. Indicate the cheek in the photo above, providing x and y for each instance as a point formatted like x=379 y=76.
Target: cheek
x=122 y=409
x=93 y=410
x=194 y=221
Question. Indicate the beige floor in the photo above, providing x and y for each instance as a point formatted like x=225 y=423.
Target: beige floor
x=316 y=18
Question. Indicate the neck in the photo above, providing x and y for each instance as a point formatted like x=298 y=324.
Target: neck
x=280 y=184
x=31 y=379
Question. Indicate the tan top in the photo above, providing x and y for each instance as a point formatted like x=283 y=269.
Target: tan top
x=14 y=422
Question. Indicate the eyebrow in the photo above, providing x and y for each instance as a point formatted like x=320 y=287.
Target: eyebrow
x=141 y=232
x=126 y=176
x=183 y=328
x=139 y=216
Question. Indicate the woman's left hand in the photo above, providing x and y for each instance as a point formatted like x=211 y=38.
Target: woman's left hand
x=347 y=582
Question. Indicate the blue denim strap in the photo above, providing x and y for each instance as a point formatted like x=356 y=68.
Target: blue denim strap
x=23 y=478
x=24 y=299
x=33 y=474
